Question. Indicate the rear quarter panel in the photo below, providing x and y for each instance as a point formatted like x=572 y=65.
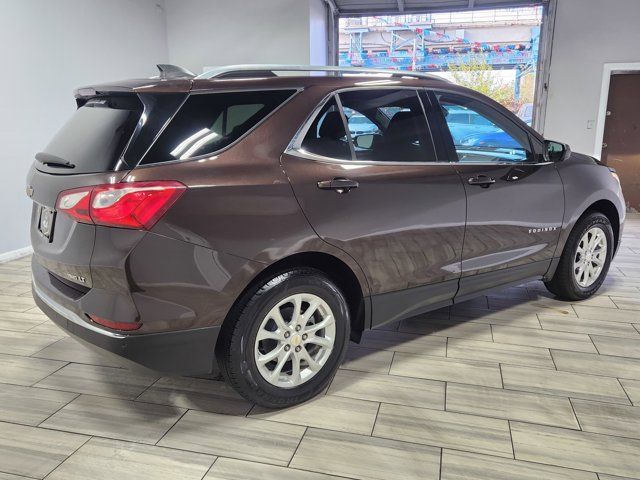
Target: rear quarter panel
x=239 y=205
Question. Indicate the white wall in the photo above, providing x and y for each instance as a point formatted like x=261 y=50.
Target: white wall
x=221 y=32
x=318 y=34
x=588 y=34
x=48 y=48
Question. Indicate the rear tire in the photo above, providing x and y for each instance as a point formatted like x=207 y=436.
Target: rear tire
x=585 y=259
x=286 y=339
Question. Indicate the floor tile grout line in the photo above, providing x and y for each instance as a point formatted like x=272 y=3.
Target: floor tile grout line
x=549 y=396
x=295 y=450
x=625 y=390
x=315 y=428
x=171 y=427
x=77 y=395
x=375 y=419
x=48 y=375
x=210 y=467
x=594 y=344
x=575 y=415
x=555 y=366
x=513 y=447
x=147 y=388
x=68 y=456
x=20 y=477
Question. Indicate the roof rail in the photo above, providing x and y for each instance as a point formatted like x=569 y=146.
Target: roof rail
x=257 y=70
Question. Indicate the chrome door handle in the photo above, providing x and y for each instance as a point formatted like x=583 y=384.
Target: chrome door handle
x=482 y=181
x=340 y=185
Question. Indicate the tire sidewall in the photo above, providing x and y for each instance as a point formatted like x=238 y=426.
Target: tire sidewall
x=243 y=343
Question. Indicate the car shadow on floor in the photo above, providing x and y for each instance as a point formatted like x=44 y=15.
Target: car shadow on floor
x=425 y=335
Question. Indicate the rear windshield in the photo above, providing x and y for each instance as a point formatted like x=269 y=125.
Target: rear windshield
x=94 y=138
x=210 y=122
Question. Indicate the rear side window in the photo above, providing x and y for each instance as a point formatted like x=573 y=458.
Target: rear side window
x=207 y=123
x=327 y=136
x=396 y=128
x=94 y=138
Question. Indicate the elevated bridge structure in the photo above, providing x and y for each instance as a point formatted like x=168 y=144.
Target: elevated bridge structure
x=504 y=39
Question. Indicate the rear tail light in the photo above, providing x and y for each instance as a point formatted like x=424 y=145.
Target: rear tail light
x=115 y=325
x=137 y=205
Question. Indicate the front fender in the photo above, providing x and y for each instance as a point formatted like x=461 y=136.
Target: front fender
x=586 y=182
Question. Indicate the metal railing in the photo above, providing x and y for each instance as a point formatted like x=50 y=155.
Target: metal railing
x=523 y=15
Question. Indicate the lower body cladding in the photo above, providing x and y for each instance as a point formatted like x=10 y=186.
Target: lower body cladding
x=189 y=352
x=175 y=293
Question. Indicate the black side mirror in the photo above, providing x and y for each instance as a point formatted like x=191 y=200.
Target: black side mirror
x=556 y=151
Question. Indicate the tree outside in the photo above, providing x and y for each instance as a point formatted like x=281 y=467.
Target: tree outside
x=477 y=74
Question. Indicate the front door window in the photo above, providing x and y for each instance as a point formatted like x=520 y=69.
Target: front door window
x=481 y=134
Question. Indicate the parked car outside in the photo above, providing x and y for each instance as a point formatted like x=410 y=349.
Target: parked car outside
x=525 y=113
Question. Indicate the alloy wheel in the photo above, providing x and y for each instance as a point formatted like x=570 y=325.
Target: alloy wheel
x=590 y=257
x=295 y=340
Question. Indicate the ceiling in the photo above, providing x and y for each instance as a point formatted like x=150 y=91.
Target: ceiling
x=378 y=7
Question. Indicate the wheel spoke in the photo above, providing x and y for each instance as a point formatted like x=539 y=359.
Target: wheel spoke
x=269 y=335
x=272 y=355
x=276 y=316
x=321 y=341
x=275 y=373
x=326 y=322
x=590 y=256
x=313 y=306
x=295 y=371
x=313 y=365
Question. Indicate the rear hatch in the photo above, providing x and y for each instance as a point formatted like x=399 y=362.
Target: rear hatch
x=88 y=150
x=112 y=128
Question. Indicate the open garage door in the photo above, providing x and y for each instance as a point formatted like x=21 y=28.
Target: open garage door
x=458 y=39
x=391 y=7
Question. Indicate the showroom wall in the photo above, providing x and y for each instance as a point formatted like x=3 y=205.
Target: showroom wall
x=282 y=33
x=48 y=49
x=588 y=34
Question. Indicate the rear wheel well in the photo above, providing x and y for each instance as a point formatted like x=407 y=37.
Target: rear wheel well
x=335 y=269
x=609 y=210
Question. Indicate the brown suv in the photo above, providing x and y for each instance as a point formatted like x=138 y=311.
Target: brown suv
x=254 y=223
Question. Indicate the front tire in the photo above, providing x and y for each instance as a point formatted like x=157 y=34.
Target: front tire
x=286 y=340
x=585 y=260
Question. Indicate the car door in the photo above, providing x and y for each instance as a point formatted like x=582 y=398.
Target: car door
x=375 y=189
x=515 y=199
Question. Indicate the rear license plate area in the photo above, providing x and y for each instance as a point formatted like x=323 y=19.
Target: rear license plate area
x=46 y=220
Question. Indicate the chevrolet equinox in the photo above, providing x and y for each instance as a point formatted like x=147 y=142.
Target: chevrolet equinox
x=250 y=224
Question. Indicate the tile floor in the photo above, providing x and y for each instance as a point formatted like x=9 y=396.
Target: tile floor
x=515 y=385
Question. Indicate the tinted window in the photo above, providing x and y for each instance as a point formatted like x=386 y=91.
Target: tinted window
x=94 y=137
x=398 y=130
x=485 y=135
x=326 y=135
x=207 y=123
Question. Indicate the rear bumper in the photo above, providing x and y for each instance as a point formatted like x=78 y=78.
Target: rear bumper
x=185 y=352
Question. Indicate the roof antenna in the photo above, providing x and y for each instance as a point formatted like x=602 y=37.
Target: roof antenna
x=171 y=72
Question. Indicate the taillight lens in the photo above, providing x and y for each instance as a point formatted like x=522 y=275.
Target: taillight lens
x=136 y=205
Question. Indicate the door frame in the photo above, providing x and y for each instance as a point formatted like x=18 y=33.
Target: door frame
x=608 y=70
